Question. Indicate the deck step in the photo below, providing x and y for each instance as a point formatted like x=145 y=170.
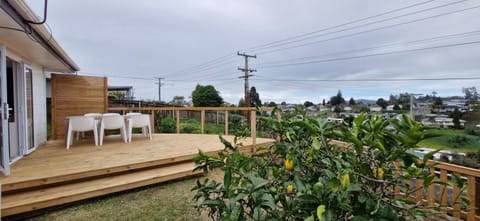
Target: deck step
x=17 y=203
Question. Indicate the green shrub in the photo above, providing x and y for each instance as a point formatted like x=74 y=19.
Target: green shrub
x=305 y=177
x=168 y=125
x=459 y=141
x=472 y=130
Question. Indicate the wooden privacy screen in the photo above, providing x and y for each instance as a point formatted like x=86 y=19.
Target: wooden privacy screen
x=76 y=95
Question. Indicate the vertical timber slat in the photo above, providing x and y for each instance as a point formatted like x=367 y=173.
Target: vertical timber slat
x=253 y=128
x=202 y=123
x=471 y=196
x=419 y=192
x=456 y=202
x=226 y=122
x=443 y=189
x=177 y=113
x=431 y=190
x=152 y=121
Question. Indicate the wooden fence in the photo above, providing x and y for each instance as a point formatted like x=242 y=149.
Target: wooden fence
x=176 y=113
x=429 y=196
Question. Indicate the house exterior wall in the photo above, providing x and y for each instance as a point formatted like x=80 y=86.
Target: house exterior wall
x=39 y=98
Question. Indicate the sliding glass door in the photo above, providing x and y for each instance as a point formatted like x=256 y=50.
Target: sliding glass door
x=4 y=149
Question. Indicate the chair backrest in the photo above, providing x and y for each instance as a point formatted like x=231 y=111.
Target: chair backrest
x=139 y=120
x=92 y=115
x=133 y=114
x=113 y=121
x=82 y=123
x=111 y=114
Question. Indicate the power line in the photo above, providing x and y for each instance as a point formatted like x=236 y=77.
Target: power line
x=371 y=30
x=386 y=45
x=337 y=26
x=370 y=55
x=371 y=80
x=368 y=24
x=205 y=64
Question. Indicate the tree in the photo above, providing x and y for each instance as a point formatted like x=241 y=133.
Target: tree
x=178 y=100
x=307 y=104
x=470 y=93
x=283 y=103
x=206 y=96
x=396 y=107
x=456 y=115
x=307 y=178
x=115 y=95
x=382 y=103
x=351 y=101
x=337 y=100
x=271 y=104
x=437 y=103
x=323 y=102
x=254 y=98
x=241 y=102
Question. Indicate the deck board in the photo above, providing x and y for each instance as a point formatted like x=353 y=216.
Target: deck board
x=52 y=162
x=53 y=196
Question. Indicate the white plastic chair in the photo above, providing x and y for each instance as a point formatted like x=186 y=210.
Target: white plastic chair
x=139 y=121
x=97 y=117
x=112 y=122
x=81 y=124
x=111 y=114
x=133 y=114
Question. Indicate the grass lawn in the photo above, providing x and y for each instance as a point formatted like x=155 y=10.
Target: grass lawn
x=169 y=201
x=447 y=139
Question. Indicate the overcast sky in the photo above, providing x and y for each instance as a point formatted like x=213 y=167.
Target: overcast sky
x=132 y=42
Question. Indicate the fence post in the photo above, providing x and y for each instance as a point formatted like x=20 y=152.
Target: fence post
x=253 y=129
x=152 y=120
x=202 y=119
x=177 y=112
x=471 y=187
x=226 y=122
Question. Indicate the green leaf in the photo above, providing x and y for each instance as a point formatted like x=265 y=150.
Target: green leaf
x=310 y=218
x=429 y=156
x=320 y=211
x=334 y=185
x=316 y=143
x=268 y=201
x=257 y=182
x=359 y=218
x=298 y=184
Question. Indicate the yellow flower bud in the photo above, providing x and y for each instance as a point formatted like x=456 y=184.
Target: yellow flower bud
x=288 y=164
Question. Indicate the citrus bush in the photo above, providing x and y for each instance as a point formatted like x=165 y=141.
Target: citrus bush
x=307 y=175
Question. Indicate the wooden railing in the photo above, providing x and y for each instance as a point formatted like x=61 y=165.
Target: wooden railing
x=437 y=195
x=430 y=197
x=445 y=172
x=176 y=110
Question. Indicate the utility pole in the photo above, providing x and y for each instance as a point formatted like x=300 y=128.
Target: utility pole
x=246 y=76
x=160 y=84
x=412 y=116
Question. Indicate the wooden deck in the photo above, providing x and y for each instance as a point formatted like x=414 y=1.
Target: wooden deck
x=53 y=175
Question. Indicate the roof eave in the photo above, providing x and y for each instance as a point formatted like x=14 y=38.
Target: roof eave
x=19 y=11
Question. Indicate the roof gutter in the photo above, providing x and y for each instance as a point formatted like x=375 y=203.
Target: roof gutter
x=23 y=23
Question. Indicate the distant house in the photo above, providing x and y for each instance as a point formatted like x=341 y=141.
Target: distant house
x=440 y=121
x=28 y=53
x=126 y=92
x=375 y=108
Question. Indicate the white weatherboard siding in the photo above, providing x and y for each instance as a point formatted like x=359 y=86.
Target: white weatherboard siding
x=39 y=106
